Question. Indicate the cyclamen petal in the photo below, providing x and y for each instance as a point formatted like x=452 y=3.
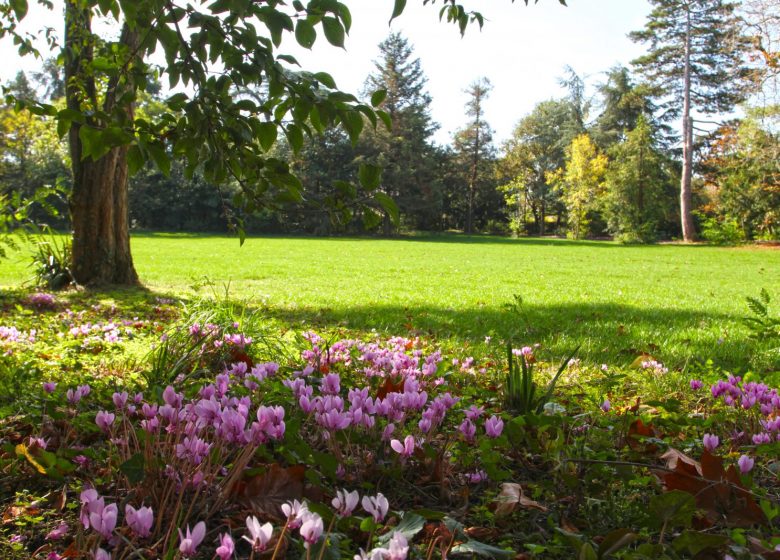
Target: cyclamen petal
x=259 y=534
x=191 y=539
x=745 y=464
x=226 y=547
x=311 y=529
x=345 y=502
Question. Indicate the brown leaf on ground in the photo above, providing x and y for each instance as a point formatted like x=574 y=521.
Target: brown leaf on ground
x=718 y=491
x=390 y=387
x=265 y=493
x=638 y=430
x=568 y=526
x=61 y=499
x=482 y=533
x=511 y=495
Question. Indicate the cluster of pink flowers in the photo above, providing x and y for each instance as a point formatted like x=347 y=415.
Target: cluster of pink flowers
x=11 y=336
x=468 y=428
x=42 y=300
x=309 y=525
x=98 y=332
x=655 y=367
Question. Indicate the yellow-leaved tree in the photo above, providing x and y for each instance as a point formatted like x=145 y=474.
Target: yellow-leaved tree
x=581 y=183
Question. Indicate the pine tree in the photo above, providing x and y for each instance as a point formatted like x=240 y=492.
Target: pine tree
x=473 y=146
x=695 y=64
x=404 y=151
x=623 y=102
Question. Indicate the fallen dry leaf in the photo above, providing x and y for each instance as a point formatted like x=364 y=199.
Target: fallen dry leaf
x=511 y=495
x=265 y=493
x=718 y=491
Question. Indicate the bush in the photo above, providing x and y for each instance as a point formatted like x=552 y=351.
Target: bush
x=722 y=232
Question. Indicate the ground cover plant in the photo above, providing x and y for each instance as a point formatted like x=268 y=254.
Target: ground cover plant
x=139 y=424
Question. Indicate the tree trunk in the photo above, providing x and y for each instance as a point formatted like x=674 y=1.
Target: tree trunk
x=99 y=212
x=99 y=201
x=686 y=202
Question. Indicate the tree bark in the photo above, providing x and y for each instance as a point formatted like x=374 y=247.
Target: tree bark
x=99 y=201
x=686 y=202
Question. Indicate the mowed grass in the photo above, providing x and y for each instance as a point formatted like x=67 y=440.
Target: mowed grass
x=680 y=304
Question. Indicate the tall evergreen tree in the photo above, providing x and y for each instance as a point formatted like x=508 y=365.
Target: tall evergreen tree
x=623 y=102
x=695 y=63
x=474 y=146
x=404 y=151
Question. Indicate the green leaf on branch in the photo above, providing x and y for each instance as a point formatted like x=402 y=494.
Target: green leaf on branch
x=294 y=137
x=266 y=134
x=326 y=79
x=334 y=32
x=160 y=157
x=20 y=8
x=398 y=9
x=305 y=33
x=388 y=205
x=378 y=96
x=370 y=176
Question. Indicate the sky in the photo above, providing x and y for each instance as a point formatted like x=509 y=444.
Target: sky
x=522 y=50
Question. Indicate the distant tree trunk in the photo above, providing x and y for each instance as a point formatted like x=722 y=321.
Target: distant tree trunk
x=99 y=201
x=686 y=210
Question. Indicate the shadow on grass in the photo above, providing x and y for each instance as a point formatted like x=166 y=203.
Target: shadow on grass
x=609 y=333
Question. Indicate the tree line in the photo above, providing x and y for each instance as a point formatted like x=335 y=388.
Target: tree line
x=615 y=163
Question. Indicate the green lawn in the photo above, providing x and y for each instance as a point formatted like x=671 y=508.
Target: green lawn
x=674 y=302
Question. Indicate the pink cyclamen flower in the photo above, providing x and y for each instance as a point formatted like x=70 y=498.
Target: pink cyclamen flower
x=696 y=384
x=745 y=464
x=311 y=529
x=49 y=387
x=710 y=442
x=103 y=518
x=494 y=426
x=259 y=534
x=191 y=539
x=226 y=547
x=468 y=429
x=606 y=406
x=120 y=399
x=58 y=532
x=406 y=449
x=139 y=520
x=398 y=547
x=345 y=502
x=104 y=420
x=101 y=554
x=294 y=512
x=87 y=497
x=377 y=506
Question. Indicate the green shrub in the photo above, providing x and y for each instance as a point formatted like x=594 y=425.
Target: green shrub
x=722 y=232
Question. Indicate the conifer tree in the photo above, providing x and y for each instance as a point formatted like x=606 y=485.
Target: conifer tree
x=695 y=64
x=403 y=149
x=473 y=145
